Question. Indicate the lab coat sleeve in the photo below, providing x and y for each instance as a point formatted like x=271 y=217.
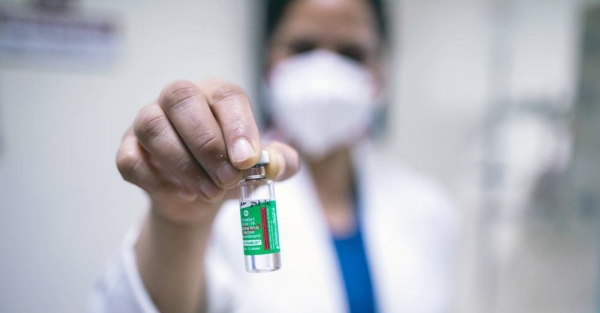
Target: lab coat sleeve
x=121 y=290
x=221 y=288
x=226 y=283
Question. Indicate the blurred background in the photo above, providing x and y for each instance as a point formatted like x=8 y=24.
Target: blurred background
x=497 y=99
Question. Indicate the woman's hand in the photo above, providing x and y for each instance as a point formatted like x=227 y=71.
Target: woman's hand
x=186 y=149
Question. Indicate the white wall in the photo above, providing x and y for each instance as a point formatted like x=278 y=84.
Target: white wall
x=446 y=81
x=442 y=76
x=63 y=206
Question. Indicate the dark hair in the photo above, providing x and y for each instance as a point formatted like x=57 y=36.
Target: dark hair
x=274 y=11
x=276 y=8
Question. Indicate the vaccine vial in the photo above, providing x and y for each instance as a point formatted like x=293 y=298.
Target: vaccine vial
x=258 y=215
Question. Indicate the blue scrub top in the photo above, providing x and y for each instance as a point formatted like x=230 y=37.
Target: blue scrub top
x=354 y=266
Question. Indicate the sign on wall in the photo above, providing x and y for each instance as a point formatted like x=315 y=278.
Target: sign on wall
x=56 y=31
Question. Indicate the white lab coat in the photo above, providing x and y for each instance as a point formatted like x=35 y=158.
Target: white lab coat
x=409 y=228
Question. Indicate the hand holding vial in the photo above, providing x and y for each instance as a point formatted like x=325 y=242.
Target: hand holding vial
x=187 y=151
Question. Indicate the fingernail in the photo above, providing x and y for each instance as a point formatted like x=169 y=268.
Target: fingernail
x=242 y=150
x=187 y=194
x=227 y=174
x=210 y=190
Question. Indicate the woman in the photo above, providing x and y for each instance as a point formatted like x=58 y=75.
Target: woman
x=357 y=234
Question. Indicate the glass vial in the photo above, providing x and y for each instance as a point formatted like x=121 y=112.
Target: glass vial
x=258 y=215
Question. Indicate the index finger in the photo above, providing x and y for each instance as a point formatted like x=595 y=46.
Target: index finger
x=232 y=110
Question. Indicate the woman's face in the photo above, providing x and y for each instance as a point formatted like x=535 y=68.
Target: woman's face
x=346 y=27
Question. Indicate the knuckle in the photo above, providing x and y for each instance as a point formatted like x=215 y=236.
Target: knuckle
x=185 y=166
x=207 y=144
x=127 y=163
x=228 y=93
x=149 y=124
x=177 y=94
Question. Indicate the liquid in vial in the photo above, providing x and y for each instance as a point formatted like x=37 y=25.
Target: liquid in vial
x=258 y=214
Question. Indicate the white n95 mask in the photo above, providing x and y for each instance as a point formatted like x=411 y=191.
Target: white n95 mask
x=321 y=101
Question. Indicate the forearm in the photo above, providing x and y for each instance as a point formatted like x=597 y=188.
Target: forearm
x=170 y=258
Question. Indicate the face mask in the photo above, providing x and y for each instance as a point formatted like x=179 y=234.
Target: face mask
x=321 y=101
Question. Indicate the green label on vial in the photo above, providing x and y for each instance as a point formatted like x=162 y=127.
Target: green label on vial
x=259 y=227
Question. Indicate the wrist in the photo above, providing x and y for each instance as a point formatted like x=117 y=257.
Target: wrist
x=171 y=240
x=183 y=215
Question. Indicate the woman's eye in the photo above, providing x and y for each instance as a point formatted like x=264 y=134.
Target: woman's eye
x=301 y=46
x=353 y=52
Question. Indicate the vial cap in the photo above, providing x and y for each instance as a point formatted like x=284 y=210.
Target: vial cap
x=264 y=157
